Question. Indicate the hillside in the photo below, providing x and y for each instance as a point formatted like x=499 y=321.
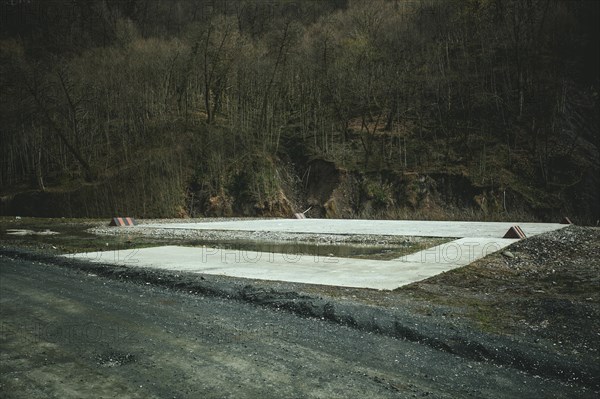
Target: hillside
x=463 y=109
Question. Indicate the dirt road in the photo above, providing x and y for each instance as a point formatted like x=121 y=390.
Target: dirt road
x=65 y=333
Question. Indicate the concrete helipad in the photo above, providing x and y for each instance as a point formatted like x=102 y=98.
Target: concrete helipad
x=307 y=269
x=474 y=240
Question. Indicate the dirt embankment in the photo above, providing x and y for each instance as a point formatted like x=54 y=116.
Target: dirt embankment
x=333 y=192
x=323 y=189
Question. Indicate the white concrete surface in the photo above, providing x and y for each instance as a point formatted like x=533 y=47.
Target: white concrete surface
x=474 y=240
x=306 y=268
x=377 y=227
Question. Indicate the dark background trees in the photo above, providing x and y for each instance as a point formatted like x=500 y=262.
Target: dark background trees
x=184 y=107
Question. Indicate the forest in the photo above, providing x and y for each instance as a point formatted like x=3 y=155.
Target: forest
x=434 y=109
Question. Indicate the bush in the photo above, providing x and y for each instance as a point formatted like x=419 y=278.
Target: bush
x=379 y=193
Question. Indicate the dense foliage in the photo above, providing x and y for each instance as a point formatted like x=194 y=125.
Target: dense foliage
x=175 y=107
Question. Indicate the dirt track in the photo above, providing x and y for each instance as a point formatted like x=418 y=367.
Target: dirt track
x=67 y=333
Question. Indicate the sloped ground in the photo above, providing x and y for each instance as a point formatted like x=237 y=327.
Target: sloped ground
x=534 y=307
x=545 y=288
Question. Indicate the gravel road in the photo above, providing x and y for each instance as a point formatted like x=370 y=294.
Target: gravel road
x=67 y=333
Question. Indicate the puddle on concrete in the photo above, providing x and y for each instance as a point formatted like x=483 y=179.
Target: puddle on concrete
x=65 y=236
x=73 y=237
x=361 y=251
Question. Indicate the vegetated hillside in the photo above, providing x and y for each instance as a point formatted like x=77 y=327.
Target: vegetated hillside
x=433 y=109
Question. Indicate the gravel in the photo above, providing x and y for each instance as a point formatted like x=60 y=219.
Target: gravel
x=228 y=235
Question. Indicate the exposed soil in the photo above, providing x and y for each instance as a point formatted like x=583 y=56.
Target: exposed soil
x=67 y=333
x=547 y=286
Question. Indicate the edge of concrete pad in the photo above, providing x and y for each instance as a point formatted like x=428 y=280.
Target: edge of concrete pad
x=422 y=228
x=394 y=322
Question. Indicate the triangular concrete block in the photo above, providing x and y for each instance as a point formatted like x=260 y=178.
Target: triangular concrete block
x=515 y=232
x=127 y=221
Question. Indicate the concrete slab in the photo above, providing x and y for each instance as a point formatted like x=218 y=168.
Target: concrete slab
x=475 y=240
x=306 y=268
x=371 y=227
